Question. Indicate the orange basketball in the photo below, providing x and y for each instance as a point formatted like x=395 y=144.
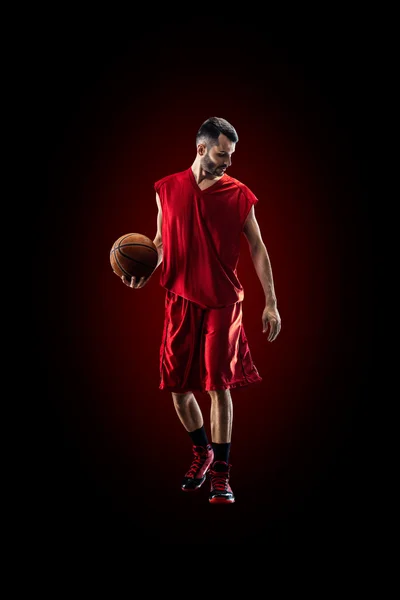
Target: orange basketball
x=133 y=254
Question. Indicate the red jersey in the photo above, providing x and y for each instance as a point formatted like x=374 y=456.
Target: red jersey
x=201 y=232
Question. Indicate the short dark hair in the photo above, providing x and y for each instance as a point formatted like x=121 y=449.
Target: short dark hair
x=211 y=130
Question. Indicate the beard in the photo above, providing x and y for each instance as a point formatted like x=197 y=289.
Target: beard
x=210 y=167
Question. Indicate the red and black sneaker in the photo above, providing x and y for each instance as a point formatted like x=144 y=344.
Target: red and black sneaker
x=195 y=477
x=221 y=491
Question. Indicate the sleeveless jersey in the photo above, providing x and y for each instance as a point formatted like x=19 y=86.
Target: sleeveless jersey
x=201 y=233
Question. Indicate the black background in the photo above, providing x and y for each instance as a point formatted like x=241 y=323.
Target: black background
x=129 y=107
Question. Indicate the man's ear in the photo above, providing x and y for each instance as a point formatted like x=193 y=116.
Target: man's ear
x=201 y=149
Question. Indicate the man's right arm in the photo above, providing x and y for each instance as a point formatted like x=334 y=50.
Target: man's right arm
x=158 y=239
x=159 y=245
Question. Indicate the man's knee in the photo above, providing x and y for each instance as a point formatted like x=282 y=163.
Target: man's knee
x=219 y=394
x=181 y=398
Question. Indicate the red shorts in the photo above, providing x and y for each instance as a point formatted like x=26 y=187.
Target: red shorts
x=204 y=349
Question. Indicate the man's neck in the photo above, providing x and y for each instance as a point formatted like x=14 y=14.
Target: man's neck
x=200 y=175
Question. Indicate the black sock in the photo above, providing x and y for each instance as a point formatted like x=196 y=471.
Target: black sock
x=199 y=437
x=221 y=451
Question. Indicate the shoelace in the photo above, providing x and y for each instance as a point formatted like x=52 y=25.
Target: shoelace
x=196 y=464
x=219 y=481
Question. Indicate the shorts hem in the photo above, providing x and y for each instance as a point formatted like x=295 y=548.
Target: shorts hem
x=170 y=388
x=235 y=384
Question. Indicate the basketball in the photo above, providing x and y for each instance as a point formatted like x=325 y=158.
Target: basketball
x=133 y=254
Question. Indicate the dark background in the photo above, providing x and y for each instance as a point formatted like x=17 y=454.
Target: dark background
x=121 y=113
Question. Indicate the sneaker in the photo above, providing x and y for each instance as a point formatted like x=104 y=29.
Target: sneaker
x=196 y=476
x=221 y=491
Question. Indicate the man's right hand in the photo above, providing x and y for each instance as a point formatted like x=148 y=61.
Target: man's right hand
x=135 y=283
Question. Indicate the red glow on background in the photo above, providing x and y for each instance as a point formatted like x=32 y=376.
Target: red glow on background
x=101 y=339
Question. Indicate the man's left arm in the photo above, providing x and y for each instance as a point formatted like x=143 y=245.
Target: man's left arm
x=262 y=265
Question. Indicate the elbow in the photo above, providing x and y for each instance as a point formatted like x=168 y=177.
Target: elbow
x=258 y=249
x=160 y=253
x=159 y=246
x=157 y=242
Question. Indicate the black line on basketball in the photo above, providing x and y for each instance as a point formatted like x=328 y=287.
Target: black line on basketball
x=134 y=244
x=134 y=260
x=125 y=272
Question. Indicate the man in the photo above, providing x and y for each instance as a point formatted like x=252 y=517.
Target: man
x=202 y=213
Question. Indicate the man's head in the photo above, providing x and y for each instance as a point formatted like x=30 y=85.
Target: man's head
x=216 y=141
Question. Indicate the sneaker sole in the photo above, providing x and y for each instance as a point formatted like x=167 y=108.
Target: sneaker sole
x=191 y=489
x=222 y=500
x=194 y=489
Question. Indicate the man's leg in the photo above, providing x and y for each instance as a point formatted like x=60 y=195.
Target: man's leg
x=189 y=413
x=221 y=416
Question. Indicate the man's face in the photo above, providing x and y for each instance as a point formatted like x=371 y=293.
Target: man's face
x=217 y=159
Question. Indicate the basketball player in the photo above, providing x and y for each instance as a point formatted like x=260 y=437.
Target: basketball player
x=202 y=213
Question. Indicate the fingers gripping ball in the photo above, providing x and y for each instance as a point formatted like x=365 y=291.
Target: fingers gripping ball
x=133 y=254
